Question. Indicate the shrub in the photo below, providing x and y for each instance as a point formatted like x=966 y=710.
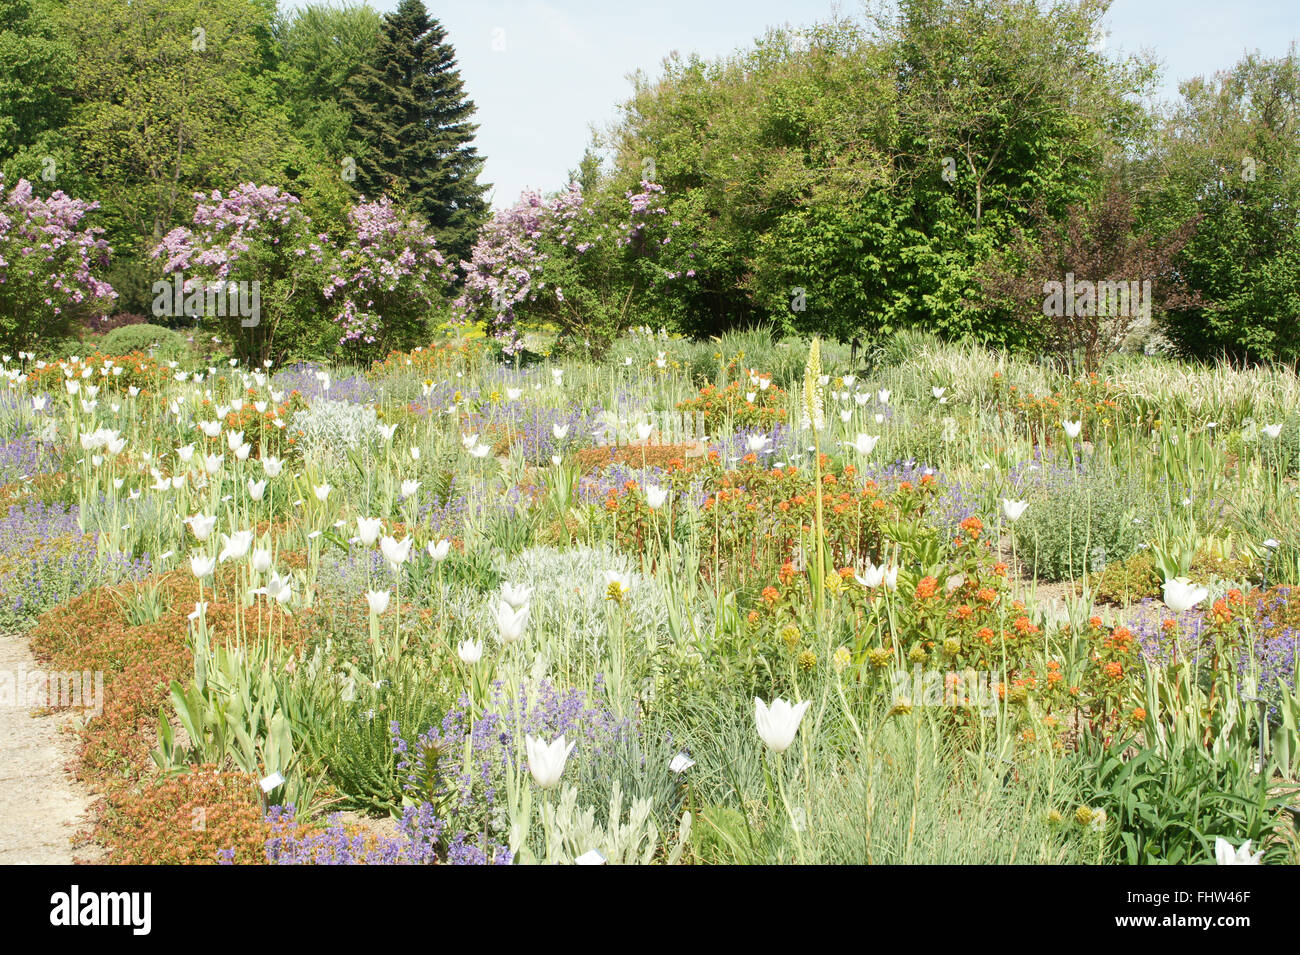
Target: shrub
x=257 y=234
x=164 y=344
x=334 y=424
x=1127 y=581
x=46 y=257
x=1088 y=521
x=103 y=324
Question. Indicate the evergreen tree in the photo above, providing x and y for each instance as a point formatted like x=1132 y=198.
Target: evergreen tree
x=411 y=117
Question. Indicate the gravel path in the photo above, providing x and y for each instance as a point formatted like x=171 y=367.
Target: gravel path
x=41 y=805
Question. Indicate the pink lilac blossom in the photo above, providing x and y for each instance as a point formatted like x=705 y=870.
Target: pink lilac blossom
x=387 y=256
x=46 y=255
x=508 y=264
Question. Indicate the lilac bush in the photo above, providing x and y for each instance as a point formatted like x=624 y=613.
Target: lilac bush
x=566 y=260
x=47 y=264
x=255 y=234
x=387 y=278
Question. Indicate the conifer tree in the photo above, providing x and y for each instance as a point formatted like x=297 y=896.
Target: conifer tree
x=411 y=117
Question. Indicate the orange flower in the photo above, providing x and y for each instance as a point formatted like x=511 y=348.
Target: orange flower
x=771 y=594
x=1221 y=612
x=986 y=634
x=1113 y=670
x=926 y=588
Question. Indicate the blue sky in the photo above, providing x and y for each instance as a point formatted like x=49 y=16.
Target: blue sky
x=543 y=71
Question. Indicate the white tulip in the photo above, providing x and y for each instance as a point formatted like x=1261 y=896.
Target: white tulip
x=235 y=545
x=439 y=550
x=279 y=589
x=546 y=762
x=201 y=565
x=516 y=596
x=256 y=489
x=480 y=451
x=655 y=497
x=1013 y=509
x=322 y=491
x=1273 y=430
x=1224 y=854
x=234 y=440
x=1072 y=428
x=202 y=525
x=617 y=583
x=511 y=622
x=272 y=466
x=212 y=463
x=560 y=431
x=1181 y=595
x=395 y=552
x=757 y=443
x=261 y=560
x=938 y=392
x=644 y=430
x=469 y=651
x=210 y=428
x=378 y=601
x=864 y=444
x=186 y=454
x=409 y=488
x=368 y=529
x=778 y=724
